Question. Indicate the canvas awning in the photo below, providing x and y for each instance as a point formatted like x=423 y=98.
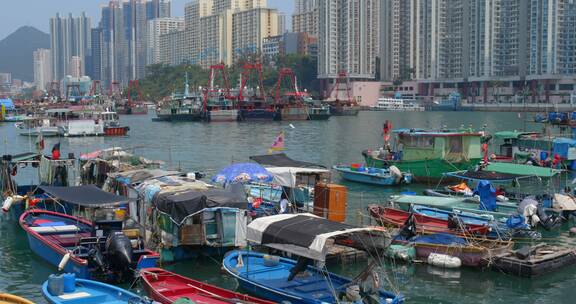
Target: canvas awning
x=86 y=196
x=491 y=176
x=181 y=205
x=520 y=169
x=282 y=160
x=286 y=176
x=307 y=235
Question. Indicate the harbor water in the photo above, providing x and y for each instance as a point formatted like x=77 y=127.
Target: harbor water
x=209 y=147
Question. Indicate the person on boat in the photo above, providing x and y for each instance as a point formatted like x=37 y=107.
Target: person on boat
x=301 y=265
x=284 y=203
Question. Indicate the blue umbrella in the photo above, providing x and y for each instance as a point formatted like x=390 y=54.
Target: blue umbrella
x=242 y=173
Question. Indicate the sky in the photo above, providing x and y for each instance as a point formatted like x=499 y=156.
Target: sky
x=37 y=13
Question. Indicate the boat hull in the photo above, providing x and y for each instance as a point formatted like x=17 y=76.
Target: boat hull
x=116 y=131
x=222 y=115
x=45 y=131
x=179 y=117
x=504 y=210
x=257 y=115
x=424 y=224
x=422 y=170
x=166 y=287
x=53 y=255
x=87 y=291
x=270 y=282
x=344 y=110
x=373 y=179
x=472 y=256
x=293 y=113
x=12 y=299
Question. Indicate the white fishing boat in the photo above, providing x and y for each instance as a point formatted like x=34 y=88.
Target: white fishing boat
x=33 y=127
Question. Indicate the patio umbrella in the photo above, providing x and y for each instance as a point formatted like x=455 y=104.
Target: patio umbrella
x=242 y=173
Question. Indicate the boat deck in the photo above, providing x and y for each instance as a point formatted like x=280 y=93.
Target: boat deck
x=308 y=284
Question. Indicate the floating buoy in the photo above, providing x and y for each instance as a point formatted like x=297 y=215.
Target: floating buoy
x=292 y=126
x=572 y=231
x=7 y=204
x=64 y=261
x=11 y=200
x=444 y=260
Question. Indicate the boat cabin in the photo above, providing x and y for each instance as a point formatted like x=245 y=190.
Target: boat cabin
x=450 y=145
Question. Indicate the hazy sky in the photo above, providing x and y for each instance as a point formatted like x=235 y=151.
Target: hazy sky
x=36 y=13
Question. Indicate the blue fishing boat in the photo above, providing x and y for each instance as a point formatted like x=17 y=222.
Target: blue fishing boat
x=285 y=280
x=76 y=246
x=376 y=176
x=465 y=217
x=87 y=291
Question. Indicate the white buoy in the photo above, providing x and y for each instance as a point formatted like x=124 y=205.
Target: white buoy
x=292 y=126
x=64 y=261
x=11 y=200
x=7 y=204
x=444 y=260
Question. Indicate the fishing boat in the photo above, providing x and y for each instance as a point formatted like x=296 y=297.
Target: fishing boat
x=77 y=246
x=184 y=217
x=471 y=252
x=376 y=176
x=16 y=191
x=466 y=217
x=531 y=261
x=252 y=102
x=467 y=204
x=309 y=237
x=425 y=224
x=317 y=110
x=88 y=291
x=181 y=107
x=36 y=126
x=257 y=110
x=6 y=298
x=427 y=154
x=166 y=287
x=348 y=105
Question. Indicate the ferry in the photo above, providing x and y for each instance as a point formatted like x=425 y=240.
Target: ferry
x=397 y=105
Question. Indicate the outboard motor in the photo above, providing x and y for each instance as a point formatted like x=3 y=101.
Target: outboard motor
x=549 y=222
x=119 y=251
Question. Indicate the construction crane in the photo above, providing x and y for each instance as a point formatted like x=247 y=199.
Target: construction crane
x=293 y=92
x=342 y=80
x=210 y=89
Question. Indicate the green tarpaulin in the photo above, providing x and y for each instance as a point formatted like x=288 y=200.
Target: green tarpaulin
x=519 y=169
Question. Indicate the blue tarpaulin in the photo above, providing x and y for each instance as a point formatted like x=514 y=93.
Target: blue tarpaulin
x=7 y=103
x=561 y=146
x=440 y=239
x=487 y=195
x=242 y=173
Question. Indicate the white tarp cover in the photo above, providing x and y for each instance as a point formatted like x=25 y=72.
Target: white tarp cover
x=286 y=176
x=318 y=247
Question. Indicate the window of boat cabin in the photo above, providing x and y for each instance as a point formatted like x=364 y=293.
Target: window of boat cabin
x=420 y=141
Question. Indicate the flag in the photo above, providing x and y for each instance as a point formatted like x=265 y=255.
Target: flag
x=56 y=152
x=278 y=144
x=386 y=131
x=40 y=142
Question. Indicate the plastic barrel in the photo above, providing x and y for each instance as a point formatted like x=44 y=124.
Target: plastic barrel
x=543 y=155
x=69 y=282
x=55 y=285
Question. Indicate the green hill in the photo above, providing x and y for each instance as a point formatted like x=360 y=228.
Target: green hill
x=16 y=51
